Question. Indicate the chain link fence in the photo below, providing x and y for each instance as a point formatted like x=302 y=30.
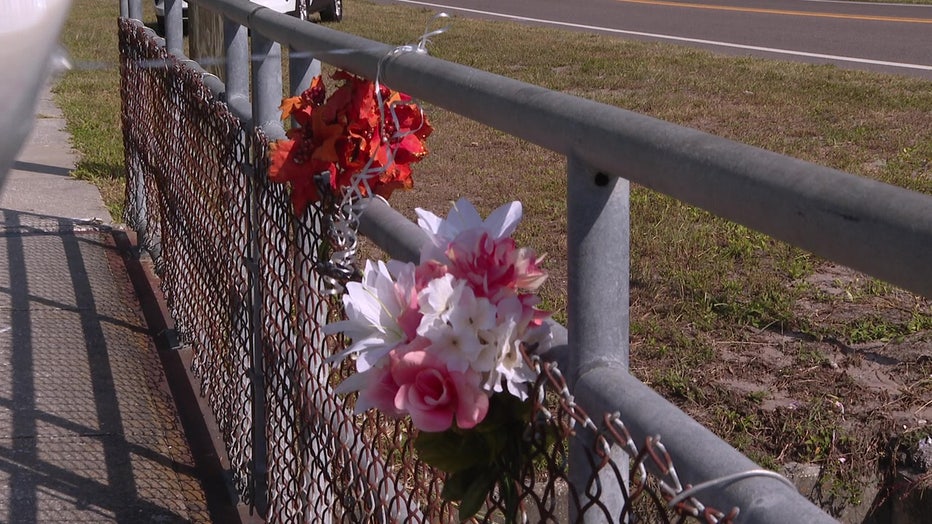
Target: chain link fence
x=240 y=274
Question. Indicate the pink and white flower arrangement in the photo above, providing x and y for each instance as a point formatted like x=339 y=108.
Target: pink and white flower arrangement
x=435 y=341
x=444 y=342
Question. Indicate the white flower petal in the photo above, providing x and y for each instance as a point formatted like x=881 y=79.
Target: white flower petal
x=349 y=327
x=375 y=346
x=372 y=308
x=360 y=304
x=503 y=221
x=354 y=382
x=428 y=221
x=463 y=216
x=435 y=299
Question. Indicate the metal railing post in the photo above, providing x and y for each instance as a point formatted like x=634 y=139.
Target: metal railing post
x=302 y=68
x=266 y=97
x=174 y=33
x=266 y=84
x=598 y=235
x=140 y=211
x=137 y=208
x=260 y=468
x=133 y=8
x=236 y=64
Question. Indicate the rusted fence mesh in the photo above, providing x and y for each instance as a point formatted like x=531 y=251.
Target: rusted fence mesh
x=239 y=272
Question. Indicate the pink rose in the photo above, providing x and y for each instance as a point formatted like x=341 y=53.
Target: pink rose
x=435 y=396
x=377 y=387
x=378 y=392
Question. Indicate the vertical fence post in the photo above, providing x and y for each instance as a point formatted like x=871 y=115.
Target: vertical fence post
x=267 y=94
x=236 y=67
x=598 y=236
x=138 y=205
x=259 y=480
x=140 y=211
x=236 y=95
x=134 y=8
x=266 y=84
x=174 y=33
x=302 y=68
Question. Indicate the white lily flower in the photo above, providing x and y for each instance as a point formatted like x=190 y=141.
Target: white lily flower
x=373 y=308
x=436 y=299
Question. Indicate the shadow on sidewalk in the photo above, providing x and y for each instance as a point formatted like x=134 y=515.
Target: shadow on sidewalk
x=88 y=430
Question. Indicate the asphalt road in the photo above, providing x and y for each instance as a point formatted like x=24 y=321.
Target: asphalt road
x=894 y=38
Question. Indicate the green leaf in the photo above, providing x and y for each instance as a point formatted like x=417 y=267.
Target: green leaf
x=456 y=484
x=509 y=495
x=451 y=451
x=476 y=493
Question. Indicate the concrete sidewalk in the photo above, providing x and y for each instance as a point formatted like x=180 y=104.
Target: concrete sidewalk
x=89 y=431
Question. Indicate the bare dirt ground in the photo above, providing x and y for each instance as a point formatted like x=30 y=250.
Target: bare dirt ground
x=841 y=417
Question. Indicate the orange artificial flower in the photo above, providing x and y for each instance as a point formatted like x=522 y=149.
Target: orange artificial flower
x=290 y=105
x=340 y=135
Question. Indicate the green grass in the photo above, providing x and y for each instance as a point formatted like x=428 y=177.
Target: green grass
x=875 y=328
x=90 y=97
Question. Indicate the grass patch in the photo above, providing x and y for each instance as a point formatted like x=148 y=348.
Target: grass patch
x=90 y=98
x=713 y=303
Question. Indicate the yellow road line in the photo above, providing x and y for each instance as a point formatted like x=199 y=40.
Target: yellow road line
x=782 y=12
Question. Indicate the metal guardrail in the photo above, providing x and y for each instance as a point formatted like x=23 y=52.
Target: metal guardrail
x=836 y=215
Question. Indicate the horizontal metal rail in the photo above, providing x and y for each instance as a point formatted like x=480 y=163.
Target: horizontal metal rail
x=877 y=228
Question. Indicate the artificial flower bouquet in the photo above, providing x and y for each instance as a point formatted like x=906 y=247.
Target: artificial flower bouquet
x=363 y=137
x=445 y=341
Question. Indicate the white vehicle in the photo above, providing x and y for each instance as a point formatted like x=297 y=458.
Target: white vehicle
x=330 y=10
